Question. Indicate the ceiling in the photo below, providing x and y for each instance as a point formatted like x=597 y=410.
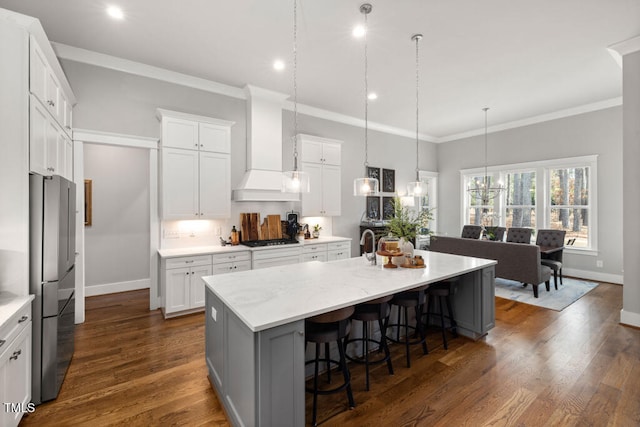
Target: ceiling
x=523 y=59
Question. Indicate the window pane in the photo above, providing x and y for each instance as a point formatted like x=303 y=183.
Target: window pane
x=521 y=217
x=521 y=189
x=483 y=216
x=569 y=187
x=574 y=222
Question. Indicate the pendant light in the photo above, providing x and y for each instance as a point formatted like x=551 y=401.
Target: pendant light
x=295 y=181
x=365 y=186
x=417 y=188
x=482 y=190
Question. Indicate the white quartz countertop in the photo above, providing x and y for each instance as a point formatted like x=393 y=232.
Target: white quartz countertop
x=217 y=249
x=10 y=304
x=275 y=296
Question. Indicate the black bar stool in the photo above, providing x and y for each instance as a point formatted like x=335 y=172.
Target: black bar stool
x=415 y=298
x=371 y=311
x=437 y=293
x=323 y=329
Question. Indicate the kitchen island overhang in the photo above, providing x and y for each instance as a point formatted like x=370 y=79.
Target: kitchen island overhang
x=254 y=328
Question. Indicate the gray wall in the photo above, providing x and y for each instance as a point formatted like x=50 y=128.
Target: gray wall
x=117 y=102
x=586 y=134
x=631 y=93
x=117 y=242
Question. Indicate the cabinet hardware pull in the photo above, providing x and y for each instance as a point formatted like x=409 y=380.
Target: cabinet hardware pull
x=2 y=342
x=189 y=262
x=187 y=273
x=15 y=355
x=301 y=333
x=22 y=319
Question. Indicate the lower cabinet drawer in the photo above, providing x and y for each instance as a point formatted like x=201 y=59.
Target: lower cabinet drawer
x=339 y=254
x=191 y=261
x=320 y=256
x=230 y=267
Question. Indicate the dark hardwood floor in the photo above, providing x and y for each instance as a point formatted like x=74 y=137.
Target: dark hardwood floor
x=537 y=367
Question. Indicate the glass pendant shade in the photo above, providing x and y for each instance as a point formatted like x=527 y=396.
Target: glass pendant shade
x=295 y=182
x=416 y=188
x=365 y=187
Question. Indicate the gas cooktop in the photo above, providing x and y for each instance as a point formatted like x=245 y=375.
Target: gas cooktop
x=271 y=242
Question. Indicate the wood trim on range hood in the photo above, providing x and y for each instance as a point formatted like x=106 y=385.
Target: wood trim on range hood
x=263 y=179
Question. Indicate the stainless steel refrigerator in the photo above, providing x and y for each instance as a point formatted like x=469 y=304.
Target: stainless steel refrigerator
x=52 y=214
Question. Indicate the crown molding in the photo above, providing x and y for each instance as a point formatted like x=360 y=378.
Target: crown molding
x=560 y=114
x=76 y=54
x=627 y=46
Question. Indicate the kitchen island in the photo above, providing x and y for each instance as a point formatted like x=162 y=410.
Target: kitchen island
x=254 y=333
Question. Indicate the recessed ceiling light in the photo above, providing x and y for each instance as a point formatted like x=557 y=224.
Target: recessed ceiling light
x=358 y=31
x=278 y=65
x=372 y=96
x=115 y=12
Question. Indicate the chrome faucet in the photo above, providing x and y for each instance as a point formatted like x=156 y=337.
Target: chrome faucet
x=371 y=257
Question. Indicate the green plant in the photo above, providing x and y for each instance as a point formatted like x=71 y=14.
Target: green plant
x=406 y=222
x=317 y=228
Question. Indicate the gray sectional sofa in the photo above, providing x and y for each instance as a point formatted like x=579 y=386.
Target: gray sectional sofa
x=516 y=261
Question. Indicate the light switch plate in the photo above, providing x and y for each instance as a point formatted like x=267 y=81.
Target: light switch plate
x=214 y=314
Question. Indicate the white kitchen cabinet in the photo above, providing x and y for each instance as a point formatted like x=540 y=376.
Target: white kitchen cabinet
x=15 y=367
x=338 y=250
x=195 y=185
x=192 y=132
x=314 y=252
x=51 y=149
x=274 y=257
x=321 y=159
x=45 y=86
x=182 y=286
x=231 y=262
x=196 y=167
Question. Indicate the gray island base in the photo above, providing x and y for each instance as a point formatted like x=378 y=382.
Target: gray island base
x=254 y=328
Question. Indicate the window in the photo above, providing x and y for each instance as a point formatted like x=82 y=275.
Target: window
x=520 y=199
x=558 y=194
x=569 y=203
x=430 y=199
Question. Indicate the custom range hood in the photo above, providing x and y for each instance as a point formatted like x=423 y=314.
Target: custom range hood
x=263 y=179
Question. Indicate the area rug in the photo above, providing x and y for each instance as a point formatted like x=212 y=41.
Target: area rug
x=569 y=292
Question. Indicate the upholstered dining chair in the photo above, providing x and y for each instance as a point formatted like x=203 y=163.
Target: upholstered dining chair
x=471 y=231
x=495 y=233
x=553 y=260
x=519 y=235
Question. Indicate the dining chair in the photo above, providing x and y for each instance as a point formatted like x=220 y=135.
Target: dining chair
x=553 y=260
x=519 y=235
x=471 y=231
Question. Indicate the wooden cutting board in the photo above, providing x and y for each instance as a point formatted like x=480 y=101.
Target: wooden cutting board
x=254 y=226
x=275 y=229
x=264 y=230
x=244 y=227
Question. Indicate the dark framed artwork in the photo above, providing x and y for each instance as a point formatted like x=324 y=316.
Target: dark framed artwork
x=388 y=180
x=373 y=207
x=387 y=207
x=373 y=172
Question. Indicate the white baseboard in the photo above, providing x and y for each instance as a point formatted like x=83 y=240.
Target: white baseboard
x=630 y=318
x=112 y=288
x=593 y=275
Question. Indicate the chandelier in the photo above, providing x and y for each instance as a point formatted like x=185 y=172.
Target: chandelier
x=483 y=189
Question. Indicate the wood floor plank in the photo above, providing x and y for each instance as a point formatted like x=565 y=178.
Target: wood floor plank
x=537 y=367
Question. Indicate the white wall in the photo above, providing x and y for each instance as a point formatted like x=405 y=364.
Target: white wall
x=592 y=133
x=117 y=242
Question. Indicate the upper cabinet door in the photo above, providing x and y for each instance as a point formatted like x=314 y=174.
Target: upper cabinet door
x=331 y=153
x=180 y=184
x=215 y=185
x=215 y=138
x=311 y=150
x=179 y=133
